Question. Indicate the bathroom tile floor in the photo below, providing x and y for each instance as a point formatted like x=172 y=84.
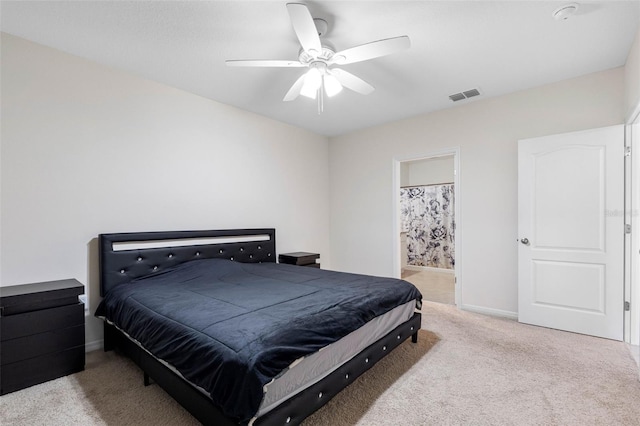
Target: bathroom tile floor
x=435 y=286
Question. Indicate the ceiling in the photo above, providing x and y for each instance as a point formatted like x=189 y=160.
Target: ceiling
x=497 y=47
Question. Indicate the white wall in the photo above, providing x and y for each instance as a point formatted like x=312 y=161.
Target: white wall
x=486 y=131
x=87 y=150
x=404 y=174
x=430 y=171
x=632 y=79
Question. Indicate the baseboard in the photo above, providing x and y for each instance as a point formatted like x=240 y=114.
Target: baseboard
x=93 y=346
x=490 y=311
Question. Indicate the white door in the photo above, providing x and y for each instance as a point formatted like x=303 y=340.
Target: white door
x=571 y=231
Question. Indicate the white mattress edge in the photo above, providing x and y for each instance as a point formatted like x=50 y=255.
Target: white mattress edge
x=309 y=370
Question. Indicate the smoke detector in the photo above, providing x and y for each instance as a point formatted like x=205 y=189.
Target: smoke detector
x=565 y=12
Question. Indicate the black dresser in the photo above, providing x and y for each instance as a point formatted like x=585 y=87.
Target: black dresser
x=41 y=333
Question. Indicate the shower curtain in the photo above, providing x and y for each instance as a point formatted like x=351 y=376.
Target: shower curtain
x=427 y=218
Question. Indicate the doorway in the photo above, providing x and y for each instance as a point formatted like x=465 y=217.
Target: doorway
x=426 y=214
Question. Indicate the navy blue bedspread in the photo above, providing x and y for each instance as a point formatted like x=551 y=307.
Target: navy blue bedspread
x=231 y=327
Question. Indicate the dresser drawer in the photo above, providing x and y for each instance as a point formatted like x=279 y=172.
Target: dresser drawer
x=41 y=344
x=20 y=325
x=18 y=299
x=41 y=333
x=21 y=374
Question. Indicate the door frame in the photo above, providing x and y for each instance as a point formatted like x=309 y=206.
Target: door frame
x=395 y=215
x=632 y=217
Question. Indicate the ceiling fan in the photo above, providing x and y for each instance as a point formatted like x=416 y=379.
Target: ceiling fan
x=320 y=58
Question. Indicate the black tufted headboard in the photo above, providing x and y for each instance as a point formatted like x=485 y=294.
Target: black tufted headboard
x=126 y=256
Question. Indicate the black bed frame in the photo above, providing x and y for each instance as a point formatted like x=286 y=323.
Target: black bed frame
x=121 y=265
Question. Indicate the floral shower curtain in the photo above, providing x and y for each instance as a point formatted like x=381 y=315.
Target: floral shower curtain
x=427 y=217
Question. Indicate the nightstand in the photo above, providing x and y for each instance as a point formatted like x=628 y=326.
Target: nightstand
x=300 y=258
x=41 y=333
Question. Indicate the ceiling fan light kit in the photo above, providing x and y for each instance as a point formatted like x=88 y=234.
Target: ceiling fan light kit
x=321 y=79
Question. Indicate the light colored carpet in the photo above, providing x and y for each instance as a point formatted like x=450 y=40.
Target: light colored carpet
x=466 y=369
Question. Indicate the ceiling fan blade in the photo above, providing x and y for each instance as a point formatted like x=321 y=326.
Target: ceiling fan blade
x=294 y=91
x=305 y=28
x=263 y=63
x=352 y=82
x=375 y=49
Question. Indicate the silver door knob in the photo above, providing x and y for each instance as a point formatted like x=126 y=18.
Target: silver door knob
x=525 y=241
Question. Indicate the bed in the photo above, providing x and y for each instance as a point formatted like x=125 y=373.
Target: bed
x=237 y=338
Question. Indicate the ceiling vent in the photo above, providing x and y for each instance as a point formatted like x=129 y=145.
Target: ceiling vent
x=464 y=95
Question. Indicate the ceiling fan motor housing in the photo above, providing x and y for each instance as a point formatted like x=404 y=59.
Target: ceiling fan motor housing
x=325 y=55
x=321 y=26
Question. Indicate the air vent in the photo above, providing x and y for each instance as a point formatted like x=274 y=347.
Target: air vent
x=457 y=97
x=471 y=93
x=464 y=95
